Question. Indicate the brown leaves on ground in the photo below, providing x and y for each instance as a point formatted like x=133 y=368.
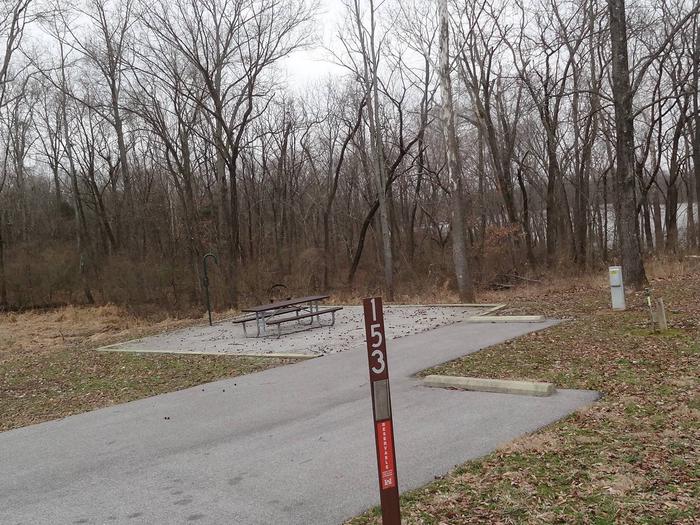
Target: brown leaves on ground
x=632 y=457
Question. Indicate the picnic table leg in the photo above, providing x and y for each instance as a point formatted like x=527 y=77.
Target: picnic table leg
x=260 y=322
x=309 y=309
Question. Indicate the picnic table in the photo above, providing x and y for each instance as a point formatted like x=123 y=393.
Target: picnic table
x=280 y=312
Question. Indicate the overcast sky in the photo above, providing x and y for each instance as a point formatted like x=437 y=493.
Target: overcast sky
x=306 y=67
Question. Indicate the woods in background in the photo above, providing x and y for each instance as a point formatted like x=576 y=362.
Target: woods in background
x=464 y=141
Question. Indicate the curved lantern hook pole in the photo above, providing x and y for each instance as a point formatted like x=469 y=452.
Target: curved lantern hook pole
x=205 y=281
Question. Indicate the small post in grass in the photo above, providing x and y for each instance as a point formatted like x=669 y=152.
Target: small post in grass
x=661 y=315
x=381 y=409
x=647 y=294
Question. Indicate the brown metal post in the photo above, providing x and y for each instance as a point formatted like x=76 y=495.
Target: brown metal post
x=381 y=409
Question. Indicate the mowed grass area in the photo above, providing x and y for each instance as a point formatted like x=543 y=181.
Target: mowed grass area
x=632 y=457
x=49 y=367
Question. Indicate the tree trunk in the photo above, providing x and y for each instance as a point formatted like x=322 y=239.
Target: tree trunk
x=648 y=235
x=526 y=218
x=224 y=218
x=130 y=207
x=552 y=210
x=421 y=161
x=3 y=279
x=690 y=224
x=632 y=260
x=465 y=285
x=332 y=190
x=380 y=181
x=371 y=72
x=696 y=111
x=361 y=242
x=58 y=196
x=481 y=167
x=658 y=228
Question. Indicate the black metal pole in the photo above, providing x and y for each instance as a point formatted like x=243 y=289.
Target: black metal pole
x=206 y=282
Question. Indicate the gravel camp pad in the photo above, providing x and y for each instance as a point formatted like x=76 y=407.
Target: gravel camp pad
x=226 y=337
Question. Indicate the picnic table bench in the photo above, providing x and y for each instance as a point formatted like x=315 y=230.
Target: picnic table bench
x=280 y=312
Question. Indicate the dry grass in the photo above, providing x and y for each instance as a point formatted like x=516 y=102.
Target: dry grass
x=49 y=369
x=633 y=457
x=40 y=332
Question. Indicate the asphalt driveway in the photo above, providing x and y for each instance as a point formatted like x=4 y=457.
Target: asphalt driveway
x=290 y=445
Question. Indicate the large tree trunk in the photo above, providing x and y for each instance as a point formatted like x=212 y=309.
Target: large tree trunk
x=371 y=65
x=3 y=279
x=226 y=237
x=696 y=111
x=690 y=224
x=526 y=217
x=224 y=221
x=632 y=260
x=459 y=246
x=552 y=207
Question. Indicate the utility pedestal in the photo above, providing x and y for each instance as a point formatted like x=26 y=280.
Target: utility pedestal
x=617 y=288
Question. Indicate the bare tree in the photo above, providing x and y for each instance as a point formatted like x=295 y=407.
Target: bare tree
x=14 y=16
x=105 y=45
x=56 y=27
x=465 y=285
x=368 y=45
x=166 y=130
x=696 y=110
x=632 y=259
x=231 y=44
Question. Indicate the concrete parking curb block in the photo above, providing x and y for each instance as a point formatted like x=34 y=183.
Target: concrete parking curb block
x=279 y=355
x=271 y=355
x=500 y=386
x=491 y=310
x=505 y=319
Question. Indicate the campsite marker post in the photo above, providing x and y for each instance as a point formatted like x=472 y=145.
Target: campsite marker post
x=381 y=408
